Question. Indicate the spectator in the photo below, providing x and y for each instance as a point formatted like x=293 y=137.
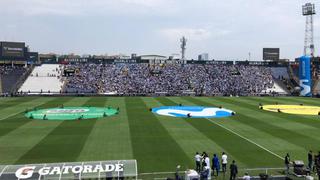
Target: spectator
x=171 y=79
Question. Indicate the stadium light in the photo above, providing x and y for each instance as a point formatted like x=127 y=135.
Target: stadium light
x=308 y=9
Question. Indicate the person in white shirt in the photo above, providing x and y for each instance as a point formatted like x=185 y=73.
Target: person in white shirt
x=207 y=161
x=224 y=162
x=246 y=176
x=197 y=158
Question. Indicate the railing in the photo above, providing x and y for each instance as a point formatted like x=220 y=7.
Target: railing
x=254 y=173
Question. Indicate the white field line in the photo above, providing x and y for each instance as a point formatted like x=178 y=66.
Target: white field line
x=244 y=169
x=10 y=115
x=3 y=170
x=249 y=140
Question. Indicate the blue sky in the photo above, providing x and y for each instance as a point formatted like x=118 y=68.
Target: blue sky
x=226 y=29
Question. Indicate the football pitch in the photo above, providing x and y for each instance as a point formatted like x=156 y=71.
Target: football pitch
x=253 y=137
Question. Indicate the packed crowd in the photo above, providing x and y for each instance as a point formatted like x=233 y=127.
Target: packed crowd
x=170 y=79
x=7 y=69
x=9 y=77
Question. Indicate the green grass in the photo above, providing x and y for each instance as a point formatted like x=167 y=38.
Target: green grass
x=158 y=143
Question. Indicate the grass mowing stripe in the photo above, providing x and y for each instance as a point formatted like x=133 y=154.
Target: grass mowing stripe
x=65 y=142
x=311 y=121
x=298 y=101
x=12 y=146
x=20 y=107
x=235 y=145
x=12 y=102
x=111 y=135
x=311 y=100
x=295 y=122
x=11 y=123
x=184 y=134
x=280 y=145
x=257 y=119
x=188 y=134
x=152 y=146
x=232 y=131
x=260 y=146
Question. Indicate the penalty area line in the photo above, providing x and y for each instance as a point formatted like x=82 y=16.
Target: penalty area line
x=249 y=140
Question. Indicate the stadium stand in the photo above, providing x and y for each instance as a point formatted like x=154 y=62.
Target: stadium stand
x=0 y=84
x=280 y=72
x=277 y=87
x=43 y=79
x=172 y=79
x=282 y=81
x=294 y=74
x=316 y=89
x=10 y=75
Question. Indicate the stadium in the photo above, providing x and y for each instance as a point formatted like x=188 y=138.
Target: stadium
x=67 y=116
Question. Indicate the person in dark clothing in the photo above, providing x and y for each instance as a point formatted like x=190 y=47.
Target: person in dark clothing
x=317 y=164
x=310 y=160
x=233 y=170
x=205 y=172
x=215 y=164
x=287 y=163
x=314 y=163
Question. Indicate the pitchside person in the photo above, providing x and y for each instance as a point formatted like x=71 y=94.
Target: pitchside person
x=287 y=163
x=310 y=160
x=233 y=170
x=203 y=156
x=317 y=164
x=207 y=161
x=224 y=159
x=197 y=158
x=215 y=164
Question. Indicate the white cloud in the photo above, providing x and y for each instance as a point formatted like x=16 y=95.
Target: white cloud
x=215 y=26
x=147 y=3
x=83 y=7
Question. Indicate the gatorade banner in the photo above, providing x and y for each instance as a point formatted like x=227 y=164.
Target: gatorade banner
x=305 y=76
x=115 y=169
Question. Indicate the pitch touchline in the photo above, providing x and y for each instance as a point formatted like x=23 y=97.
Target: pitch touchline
x=246 y=139
x=243 y=169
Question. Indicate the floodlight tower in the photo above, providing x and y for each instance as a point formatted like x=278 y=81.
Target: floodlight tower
x=183 y=41
x=308 y=10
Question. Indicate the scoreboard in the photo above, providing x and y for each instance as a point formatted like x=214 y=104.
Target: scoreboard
x=271 y=54
x=12 y=49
